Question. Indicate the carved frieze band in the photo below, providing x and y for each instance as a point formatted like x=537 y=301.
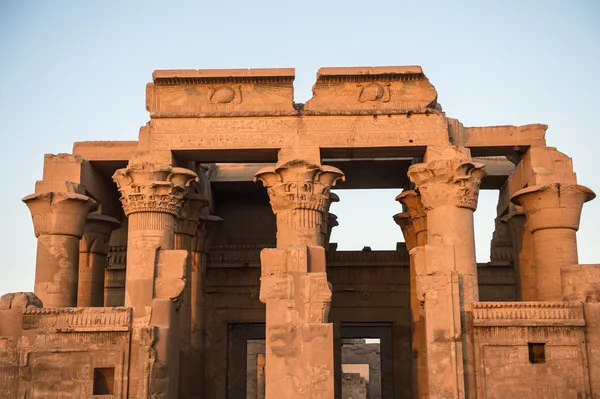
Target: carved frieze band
x=77 y=319
x=527 y=313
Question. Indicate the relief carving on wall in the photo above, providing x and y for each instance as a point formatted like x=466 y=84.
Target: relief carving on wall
x=226 y=95
x=374 y=92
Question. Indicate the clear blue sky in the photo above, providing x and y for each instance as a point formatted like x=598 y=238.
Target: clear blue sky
x=76 y=71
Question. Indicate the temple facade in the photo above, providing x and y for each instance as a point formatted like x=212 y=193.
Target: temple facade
x=196 y=262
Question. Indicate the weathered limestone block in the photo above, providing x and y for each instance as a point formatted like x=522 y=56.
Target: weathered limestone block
x=58 y=221
x=553 y=212
x=385 y=89
x=299 y=345
x=227 y=92
x=93 y=248
x=581 y=283
x=25 y=300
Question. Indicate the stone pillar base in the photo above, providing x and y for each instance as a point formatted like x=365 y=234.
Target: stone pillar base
x=299 y=340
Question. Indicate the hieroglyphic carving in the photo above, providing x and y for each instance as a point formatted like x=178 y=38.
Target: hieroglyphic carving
x=334 y=131
x=315 y=292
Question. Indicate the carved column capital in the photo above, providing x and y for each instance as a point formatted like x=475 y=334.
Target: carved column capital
x=96 y=234
x=59 y=213
x=553 y=206
x=148 y=187
x=191 y=215
x=408 y=230
x=415 y=209
x=299 y=192
x=299 y=184
x=206 y=230
x=452 y=180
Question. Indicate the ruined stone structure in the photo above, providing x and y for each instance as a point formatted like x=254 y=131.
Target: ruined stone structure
x=196 y=262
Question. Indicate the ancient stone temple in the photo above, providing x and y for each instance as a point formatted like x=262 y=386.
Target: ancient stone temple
x=196 y=262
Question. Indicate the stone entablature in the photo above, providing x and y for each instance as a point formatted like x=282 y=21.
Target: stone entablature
x=490 y=314
x=385 y=90
x=218 y=93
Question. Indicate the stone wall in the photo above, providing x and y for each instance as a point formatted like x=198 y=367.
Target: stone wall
x=530 y=350
x=64 y=353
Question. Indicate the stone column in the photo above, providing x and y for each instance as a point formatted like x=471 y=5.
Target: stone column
x=93 y=249
x=186 y=226
x=448 y=183
x=524 y=253
x=553 y=212
x=58 y=221
x=152 y=197
x=330 y=220
x=449 y=189
x=294 y=286
x=414 y=228
x=207 y=227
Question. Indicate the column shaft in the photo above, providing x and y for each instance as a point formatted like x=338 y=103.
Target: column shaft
x=524 y=257
x=93 y=249
x=559 y=250
x=148 y=231
x=453 y=226
x=56 y=271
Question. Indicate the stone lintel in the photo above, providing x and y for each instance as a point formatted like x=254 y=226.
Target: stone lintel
x=411 y=134
x=499 y=140
x=73 y=173
x=115 y=151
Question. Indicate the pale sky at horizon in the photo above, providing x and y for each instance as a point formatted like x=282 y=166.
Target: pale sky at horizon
x=76 y=71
